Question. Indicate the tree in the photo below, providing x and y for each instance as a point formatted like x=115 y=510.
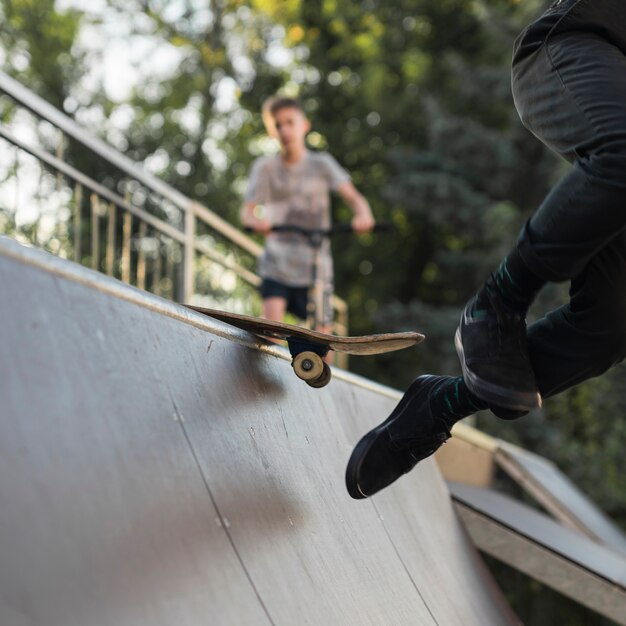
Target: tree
x=37 y=43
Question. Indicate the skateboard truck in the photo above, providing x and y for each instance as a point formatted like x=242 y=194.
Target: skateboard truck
x=307 y=360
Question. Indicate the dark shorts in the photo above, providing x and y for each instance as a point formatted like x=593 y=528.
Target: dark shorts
x=296 y=297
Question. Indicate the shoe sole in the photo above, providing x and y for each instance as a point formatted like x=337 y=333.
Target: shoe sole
x=362 y=448
x=494 y=394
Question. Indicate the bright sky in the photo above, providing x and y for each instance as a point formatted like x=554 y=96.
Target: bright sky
x=119 y=61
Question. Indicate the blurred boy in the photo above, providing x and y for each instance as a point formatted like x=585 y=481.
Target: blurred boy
x=293 y=188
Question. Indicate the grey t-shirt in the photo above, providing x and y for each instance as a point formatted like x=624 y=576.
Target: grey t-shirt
x=297 y=195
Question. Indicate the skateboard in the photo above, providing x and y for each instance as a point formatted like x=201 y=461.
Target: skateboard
x=309 y=347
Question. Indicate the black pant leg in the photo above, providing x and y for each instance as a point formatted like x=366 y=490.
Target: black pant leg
x=587 y=336
x=569 y=85
x=570 y=91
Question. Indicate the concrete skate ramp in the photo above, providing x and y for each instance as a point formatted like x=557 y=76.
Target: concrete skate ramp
x=160 y=468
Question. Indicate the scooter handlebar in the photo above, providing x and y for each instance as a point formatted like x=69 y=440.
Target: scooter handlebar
x=336 y=229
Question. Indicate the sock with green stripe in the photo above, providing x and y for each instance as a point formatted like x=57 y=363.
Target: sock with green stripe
x=514 y=284
x=452 y=401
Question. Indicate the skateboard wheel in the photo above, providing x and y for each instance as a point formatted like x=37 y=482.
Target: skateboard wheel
x=308 y=366
x=323 y=379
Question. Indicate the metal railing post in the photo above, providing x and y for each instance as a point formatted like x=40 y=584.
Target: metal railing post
x=78 y=207
x=141 y=257
x=95 y=231
x=110 y=254
x=189 y=255
x=128 y=224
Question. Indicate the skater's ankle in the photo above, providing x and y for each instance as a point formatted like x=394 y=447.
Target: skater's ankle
x=453 y=401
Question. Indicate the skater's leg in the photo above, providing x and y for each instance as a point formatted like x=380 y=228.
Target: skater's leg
x=571 y=92
x=574 y=343
x=585 y=337
x=274 y=308
x=579 y=111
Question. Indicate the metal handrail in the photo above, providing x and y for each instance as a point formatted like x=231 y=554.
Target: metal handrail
x=102 y=191
x=97 y=188
x=46 y=111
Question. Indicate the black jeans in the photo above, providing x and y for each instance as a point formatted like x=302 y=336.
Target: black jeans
x=569 y=87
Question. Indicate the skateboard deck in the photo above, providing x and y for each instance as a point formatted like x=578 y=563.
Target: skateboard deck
x=308 y=347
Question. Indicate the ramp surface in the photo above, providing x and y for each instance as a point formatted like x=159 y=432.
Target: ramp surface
x=160 y=468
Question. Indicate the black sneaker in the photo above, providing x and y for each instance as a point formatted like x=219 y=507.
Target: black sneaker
x=507 y=414
x=492 y=348
x=411 y=433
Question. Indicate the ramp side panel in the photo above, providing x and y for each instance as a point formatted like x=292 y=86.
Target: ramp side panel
x=153 y=472
x=562 y=497
x=538 y=527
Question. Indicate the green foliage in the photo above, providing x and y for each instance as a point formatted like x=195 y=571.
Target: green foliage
x=37 y=41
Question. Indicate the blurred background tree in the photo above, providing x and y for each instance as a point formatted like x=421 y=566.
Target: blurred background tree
x=412 y=97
